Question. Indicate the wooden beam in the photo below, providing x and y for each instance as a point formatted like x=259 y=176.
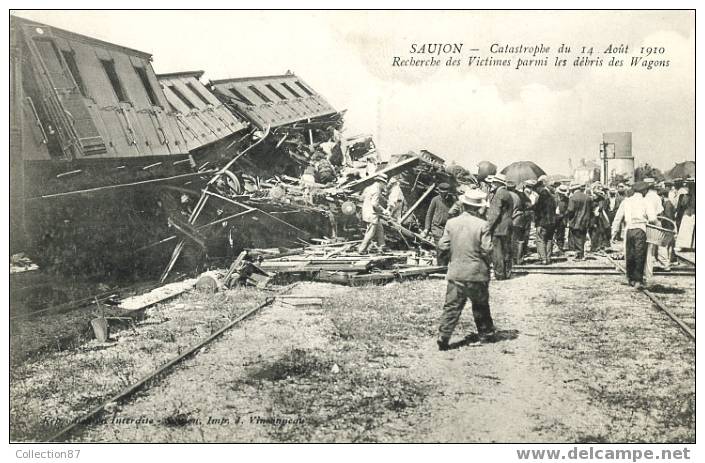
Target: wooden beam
x=416 y=204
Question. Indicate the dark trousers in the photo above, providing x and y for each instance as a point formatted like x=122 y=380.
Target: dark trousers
x=599 y=238
x=636 y=254
x=502 y=256
x=442 y=258
x=457 y=293
x=518 y=243
x=544 y=242
x=559 y=235
x=576 y=241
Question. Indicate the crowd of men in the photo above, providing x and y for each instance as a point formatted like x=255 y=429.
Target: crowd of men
x=487 y=226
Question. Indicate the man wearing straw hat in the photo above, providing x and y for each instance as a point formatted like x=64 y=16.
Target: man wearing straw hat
x=636 y=211
x=499 y=218
x=372 y=211
x=468 y=240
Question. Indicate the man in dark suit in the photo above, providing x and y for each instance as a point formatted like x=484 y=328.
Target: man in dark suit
x=499 y=218
x=579 y=219
x=437 y=213
x=545 y=220
x=561 y=196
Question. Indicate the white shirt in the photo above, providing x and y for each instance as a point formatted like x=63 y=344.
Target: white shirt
x=371 y=197
x=655 y=201
x=636 y=211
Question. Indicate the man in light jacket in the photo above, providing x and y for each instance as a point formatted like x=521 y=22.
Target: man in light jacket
x=372 y=212
x=468 y=240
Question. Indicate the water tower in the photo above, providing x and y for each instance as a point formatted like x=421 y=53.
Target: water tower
x=616 y=156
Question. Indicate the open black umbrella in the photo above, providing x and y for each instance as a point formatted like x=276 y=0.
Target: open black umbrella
x=682 y=170
x=485 y=168
x=521 y=171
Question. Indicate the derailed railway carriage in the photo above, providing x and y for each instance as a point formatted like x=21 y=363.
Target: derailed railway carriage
x=94 y=138
x=107 y=159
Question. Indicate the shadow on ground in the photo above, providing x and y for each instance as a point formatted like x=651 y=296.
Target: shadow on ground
x=473 y=339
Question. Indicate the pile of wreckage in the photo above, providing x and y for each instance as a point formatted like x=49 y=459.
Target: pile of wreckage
x=300 y=181
x=166 y=159
x=334 y=261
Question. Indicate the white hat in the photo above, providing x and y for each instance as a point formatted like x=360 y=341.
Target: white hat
x=474 y=198
x=498 y=178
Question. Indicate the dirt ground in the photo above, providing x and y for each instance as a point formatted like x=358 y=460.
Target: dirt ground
x=578 y=359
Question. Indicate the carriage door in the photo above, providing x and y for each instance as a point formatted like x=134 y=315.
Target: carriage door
x=70 y=94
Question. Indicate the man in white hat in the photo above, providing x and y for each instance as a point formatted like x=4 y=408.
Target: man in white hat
x=499 y=218
x=468 y=240
x=372 y=212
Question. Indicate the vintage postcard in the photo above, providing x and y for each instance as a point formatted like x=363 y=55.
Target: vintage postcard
x=280 y=226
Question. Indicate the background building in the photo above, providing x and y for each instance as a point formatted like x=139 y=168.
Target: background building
x=616 y=156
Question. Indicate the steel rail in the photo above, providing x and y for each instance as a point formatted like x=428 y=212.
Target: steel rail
x=658 y=303
x=129 y=390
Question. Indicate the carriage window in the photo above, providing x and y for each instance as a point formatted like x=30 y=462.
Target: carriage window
x=197 y=93
x=240 y=96
x=70 y=58
x=275 y=91
x=291 y=90
x=144 y=78
x=302 y=87
x=109 y=66
x=182 y=97
x=256 y=91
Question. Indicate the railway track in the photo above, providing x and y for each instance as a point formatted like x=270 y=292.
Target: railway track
x=154 y=376
x=682 y=314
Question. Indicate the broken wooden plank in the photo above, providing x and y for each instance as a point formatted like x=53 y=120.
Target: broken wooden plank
x=157 y=295
x=188 y=231
x=411 y=210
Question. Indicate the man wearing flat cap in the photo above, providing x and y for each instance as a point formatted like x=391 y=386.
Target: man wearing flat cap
x=437 y=213
x=635 y=211
x=545 y=220
x=372 y=212
x=499 y=218
x=579 y=219
x=561 y=196
x=468 y=241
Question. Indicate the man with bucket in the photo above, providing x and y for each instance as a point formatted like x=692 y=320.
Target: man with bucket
x=635 y=211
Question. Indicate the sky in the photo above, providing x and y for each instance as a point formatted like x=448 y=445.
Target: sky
x=465 y=114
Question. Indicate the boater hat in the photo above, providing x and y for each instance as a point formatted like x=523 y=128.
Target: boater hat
x=498 y=178
x=474 y=198
x=563 y=189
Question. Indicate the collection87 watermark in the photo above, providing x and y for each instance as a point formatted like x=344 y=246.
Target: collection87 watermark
x=32 y=454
